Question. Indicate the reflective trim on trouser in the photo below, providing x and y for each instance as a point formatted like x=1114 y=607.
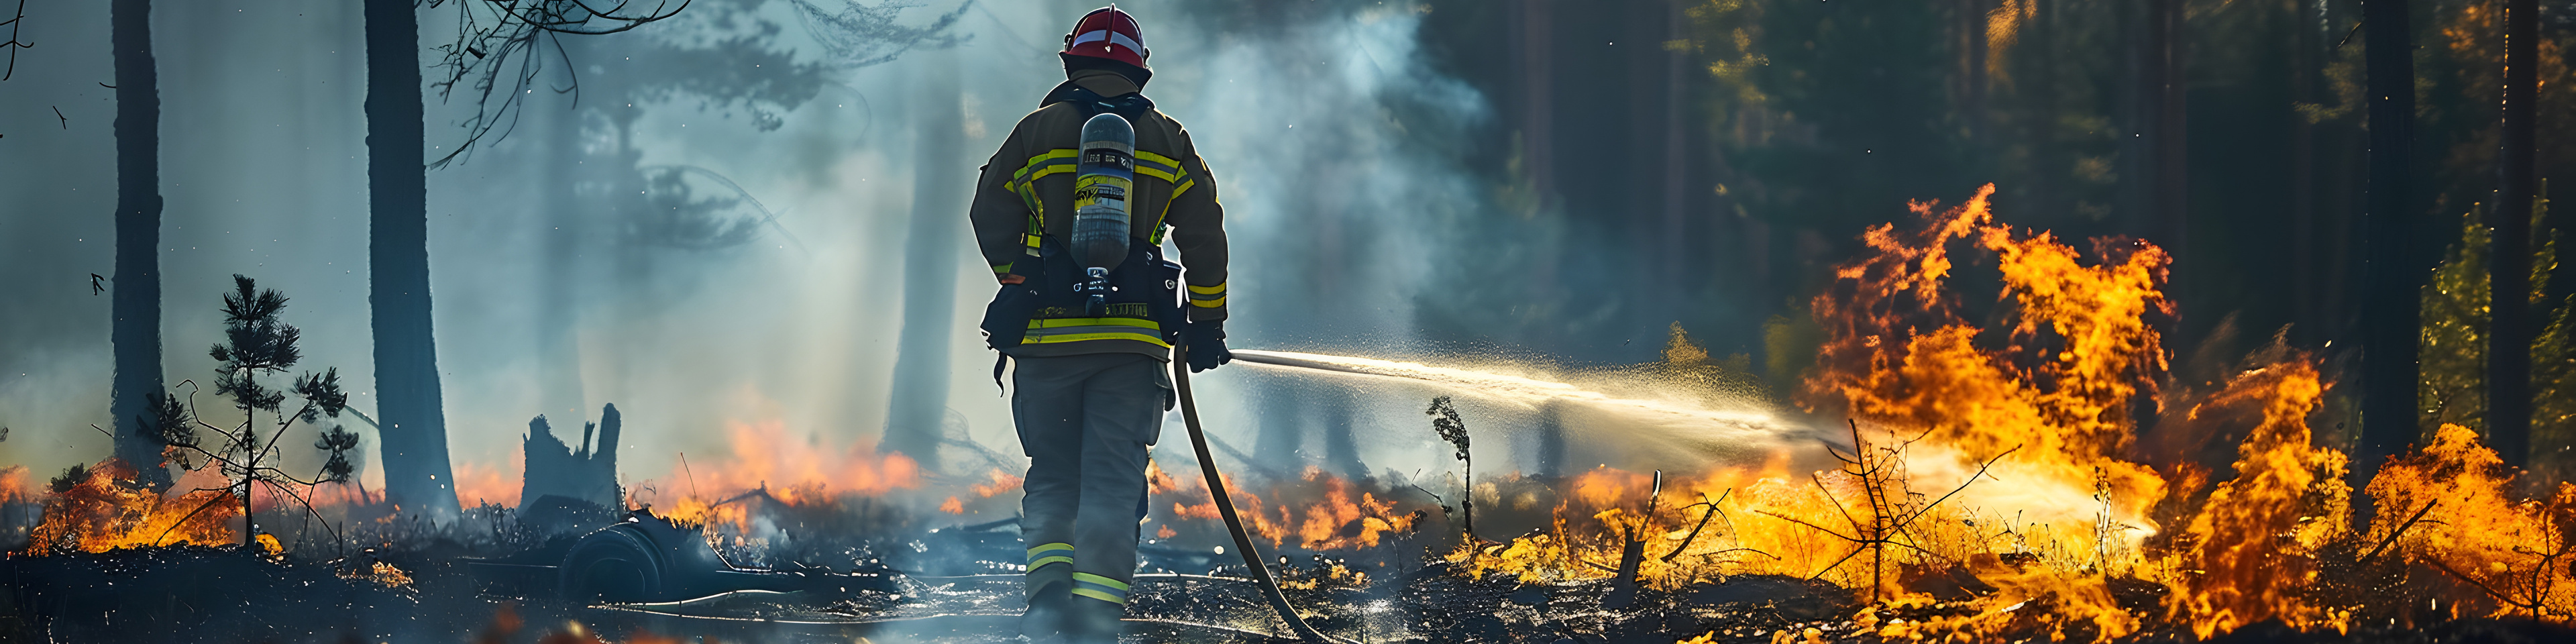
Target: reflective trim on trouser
x=1085 y=421
x=1100 y=588
x=1040 y=556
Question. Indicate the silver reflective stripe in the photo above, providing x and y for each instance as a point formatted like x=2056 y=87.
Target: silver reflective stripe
x=1113 y=37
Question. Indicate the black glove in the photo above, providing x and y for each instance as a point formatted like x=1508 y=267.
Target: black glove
x=1206 y=345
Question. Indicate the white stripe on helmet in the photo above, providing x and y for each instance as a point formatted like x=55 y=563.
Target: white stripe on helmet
x=1113 y=37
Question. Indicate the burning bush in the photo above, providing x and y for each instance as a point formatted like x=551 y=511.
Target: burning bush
x=2514 y=551
x=104 y=507
x=1991 y=484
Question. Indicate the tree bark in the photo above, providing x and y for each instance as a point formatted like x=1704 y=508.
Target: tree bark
x=2510 y=327
x=2170 y=196
x=918 y=410
x=2391 y=313
x=136 y=305
x=558 y=305
x=2306 y=292
x=418 y=478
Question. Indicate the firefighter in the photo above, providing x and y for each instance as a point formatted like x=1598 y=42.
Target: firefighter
x=1090 y=390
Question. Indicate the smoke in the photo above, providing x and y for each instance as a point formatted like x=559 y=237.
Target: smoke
x=716 y=216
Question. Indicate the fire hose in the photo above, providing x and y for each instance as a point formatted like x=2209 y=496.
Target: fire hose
x=1225 y=503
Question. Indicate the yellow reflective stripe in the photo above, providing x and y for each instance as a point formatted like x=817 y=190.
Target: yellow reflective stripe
x=1050 y=546
x=1218 y=289
x=1160 y=167
x=1041 y=562
x=1065 y=330
x=1207 y=304
x=1149 y=157
x=1050 y=162
x=1024 y=181
x=1104 y=581
x=1050 y=323
x=1094 y=594
x=1155 y=339
x=1001 y=269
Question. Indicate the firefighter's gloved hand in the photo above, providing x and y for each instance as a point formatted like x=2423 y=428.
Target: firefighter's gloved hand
x=1206 y=345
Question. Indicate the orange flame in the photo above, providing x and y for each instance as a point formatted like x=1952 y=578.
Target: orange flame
x=2253 y=546
x=477 y=483
x=793 y=472
x=2516 y=552
x=109 y=509
x=2033 y=436
x=14 y=486
x=1339 y=515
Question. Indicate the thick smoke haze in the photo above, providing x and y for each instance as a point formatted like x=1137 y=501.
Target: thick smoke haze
x=710 y=253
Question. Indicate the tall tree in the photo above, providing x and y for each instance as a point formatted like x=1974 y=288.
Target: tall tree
x=2510 y=324
x=2160 y=75
x=2391 y=312
x=495 y=54
x=918 y=410
x=136 y=331
x=418 y=477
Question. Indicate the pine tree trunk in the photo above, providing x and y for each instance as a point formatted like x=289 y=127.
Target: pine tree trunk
x=414 y=440
x=558 y=305
x=2391 y=309
x=918 y=410
x=2511 y=327
x=136 y=305
x=2305 y=297
x=2170 y=197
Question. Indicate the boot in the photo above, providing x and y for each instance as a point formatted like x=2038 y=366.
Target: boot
x=1050 y=611
x=1092 y=621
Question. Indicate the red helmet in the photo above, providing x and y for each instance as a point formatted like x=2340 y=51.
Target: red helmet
x=1108 y=33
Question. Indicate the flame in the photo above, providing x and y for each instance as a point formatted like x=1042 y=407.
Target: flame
x=2085 y=328
x=108 y=509
x=797 y=471
x=2006 y=458
x=794 y=472
x=2515 y=551
x=2254 y=544
x=477 y=483
x=1001 y=482
x=14 y=487
x=1336 y=513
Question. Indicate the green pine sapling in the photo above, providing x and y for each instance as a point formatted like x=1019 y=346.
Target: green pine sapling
x=256 y=344
x=1452 y=428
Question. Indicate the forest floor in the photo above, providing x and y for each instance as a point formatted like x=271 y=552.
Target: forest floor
x=225 y=594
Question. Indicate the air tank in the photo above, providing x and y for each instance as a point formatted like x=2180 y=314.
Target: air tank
x=1103 y=179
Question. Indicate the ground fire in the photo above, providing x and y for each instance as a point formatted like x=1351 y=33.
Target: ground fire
x=1272 y=321
x=1986 y=482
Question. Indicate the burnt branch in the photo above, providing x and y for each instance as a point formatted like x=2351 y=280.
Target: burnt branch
x=1879 y=469
x=1713 y=511
x=14 y=23
x=496 y=54
x=2400 y=531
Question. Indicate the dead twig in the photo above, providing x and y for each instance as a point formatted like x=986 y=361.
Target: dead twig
x=2400 y=531
x=1885 y=521
x=1713 y=511
x=2491 y=592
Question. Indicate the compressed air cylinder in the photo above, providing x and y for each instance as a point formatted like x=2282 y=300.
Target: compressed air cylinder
x=1102 y=183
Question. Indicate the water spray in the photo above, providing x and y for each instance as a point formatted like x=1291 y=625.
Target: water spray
x=1103 y=176
x=1509 y=388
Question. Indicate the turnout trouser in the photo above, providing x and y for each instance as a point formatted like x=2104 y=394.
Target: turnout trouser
x=1085 y=422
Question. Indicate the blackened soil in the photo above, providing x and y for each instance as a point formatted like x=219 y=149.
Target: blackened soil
x=201 y=594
